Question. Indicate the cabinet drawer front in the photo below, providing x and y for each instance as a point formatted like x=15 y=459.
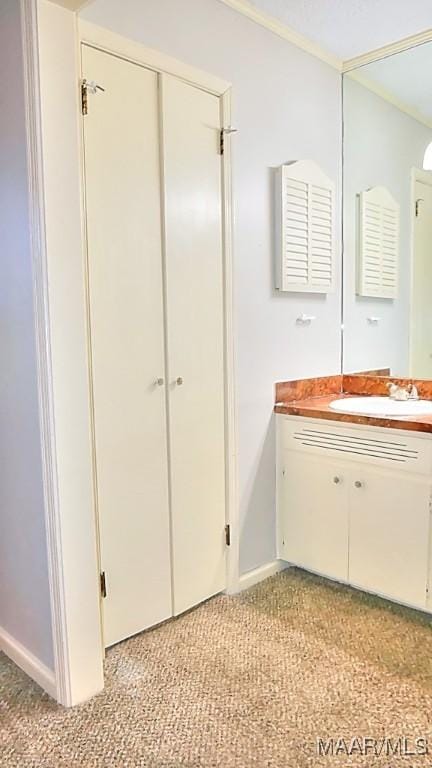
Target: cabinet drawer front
x=370 y=445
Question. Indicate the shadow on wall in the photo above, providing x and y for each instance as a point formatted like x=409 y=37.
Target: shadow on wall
x=273 y=218
x=258 y=505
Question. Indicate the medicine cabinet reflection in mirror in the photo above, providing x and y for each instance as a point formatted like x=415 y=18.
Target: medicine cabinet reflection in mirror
x=387 y=216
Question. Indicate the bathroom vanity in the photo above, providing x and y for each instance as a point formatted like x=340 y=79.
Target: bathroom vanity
x=354 y=491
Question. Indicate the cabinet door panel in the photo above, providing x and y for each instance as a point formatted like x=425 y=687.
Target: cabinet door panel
x=194 y=289
x=314 y=514
x=127 y=343
x=389 y=535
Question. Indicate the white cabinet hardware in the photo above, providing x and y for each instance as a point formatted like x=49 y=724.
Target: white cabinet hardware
x=159 y=382
x=374 y=320
x=305 y=319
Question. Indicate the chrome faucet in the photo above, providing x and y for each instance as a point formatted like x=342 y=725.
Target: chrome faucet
x=397 y=392
x=413 y=392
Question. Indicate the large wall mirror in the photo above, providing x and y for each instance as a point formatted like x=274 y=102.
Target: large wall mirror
x=388 y=215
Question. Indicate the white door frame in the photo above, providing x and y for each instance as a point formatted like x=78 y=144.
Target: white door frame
x=54 y=37
x=425 y=177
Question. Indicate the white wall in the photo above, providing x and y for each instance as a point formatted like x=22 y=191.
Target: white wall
x=24 y=589
x=381 y=146
x=286 y=106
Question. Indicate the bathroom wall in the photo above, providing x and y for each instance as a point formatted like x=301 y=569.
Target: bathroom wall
x=381 y=146
x=286 y=106
x=25 y=618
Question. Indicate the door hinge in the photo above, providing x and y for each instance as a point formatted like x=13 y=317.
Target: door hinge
x=88 y=86
x=103 y=588
x=223 y=132
x=84 y=98
x=417 y=206
x=228 y=535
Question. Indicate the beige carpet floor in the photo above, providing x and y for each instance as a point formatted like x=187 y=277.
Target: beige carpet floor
x=246 y=681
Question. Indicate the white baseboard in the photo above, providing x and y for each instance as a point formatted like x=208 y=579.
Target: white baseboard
x=250 y=578
x=32 y=666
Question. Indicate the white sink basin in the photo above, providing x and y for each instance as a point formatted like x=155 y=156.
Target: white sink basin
x=382 y=406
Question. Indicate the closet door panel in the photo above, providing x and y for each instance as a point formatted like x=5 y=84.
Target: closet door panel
x=194 y=284
x=122 y=166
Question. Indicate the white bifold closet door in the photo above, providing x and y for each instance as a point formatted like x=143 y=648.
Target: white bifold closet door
x=127 y=342
x=154 y=230
x=194 y=275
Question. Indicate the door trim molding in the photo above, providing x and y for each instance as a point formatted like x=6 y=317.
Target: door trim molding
x=231 y=432
x=71 y=674
x=110 y=42
x=425 y=177
x=60 y=686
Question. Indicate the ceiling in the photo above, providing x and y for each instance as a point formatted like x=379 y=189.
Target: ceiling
x=349 y=28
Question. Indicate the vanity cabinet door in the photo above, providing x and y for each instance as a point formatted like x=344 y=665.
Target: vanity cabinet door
x=313 y=510
x=389 y=534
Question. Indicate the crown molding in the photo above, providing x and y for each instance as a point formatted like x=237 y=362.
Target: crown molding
x=348 y=66
x=300 y=41
x=72 y=5
x=387 y=50
x=383 y=93
x=285 y=32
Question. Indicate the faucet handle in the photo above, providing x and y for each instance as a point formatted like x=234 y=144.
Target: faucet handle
x=413 y=392
x=392 y=388
x=396 y=392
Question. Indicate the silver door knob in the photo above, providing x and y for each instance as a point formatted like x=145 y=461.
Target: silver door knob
x=336 y=480
x=159 y=382
x=179 y=381
x=358 y=484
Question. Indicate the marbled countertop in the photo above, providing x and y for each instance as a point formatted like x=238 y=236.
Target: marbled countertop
x=318 y=407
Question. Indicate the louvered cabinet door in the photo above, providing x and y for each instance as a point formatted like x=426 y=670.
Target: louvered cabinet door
x=379 y=244
x=305 y=231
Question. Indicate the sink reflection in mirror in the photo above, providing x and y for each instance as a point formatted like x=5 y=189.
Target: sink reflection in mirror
x=388 y=215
